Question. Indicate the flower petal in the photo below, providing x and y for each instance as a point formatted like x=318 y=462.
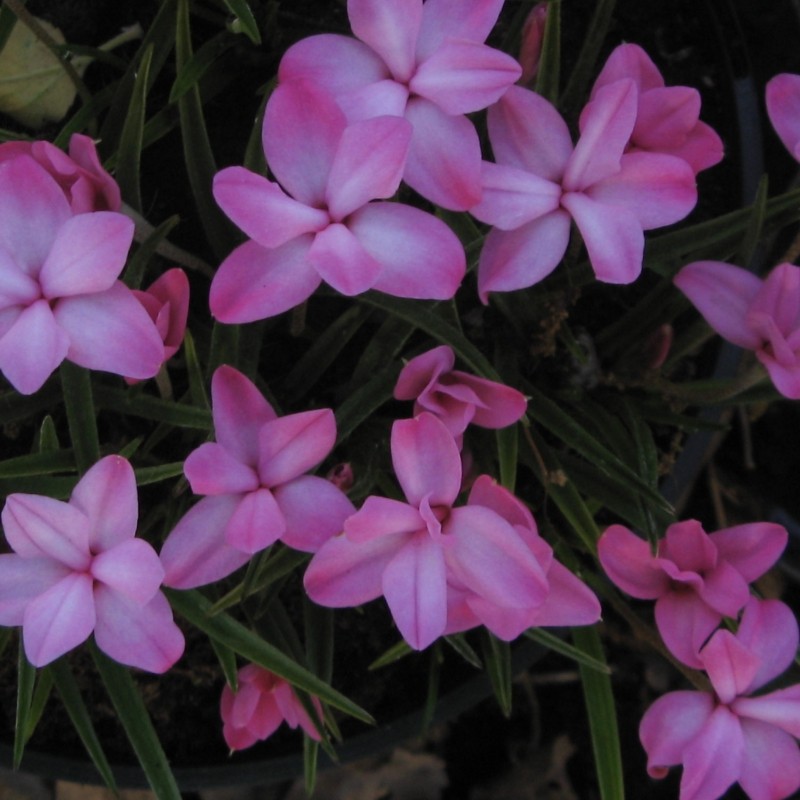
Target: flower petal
x=444 y=160
x=131 y=569
x=569 y=601
x=722 y=294
x=314 y=510
x=520 y=258
x=195 y=552
x=422 y=371
x=420 y=256
x=780 y=709
x=342 y=262
x=111 y=331
x=88 y=254
x=415 y=587
x=59 y=619
x=368 y=164
x=22 y=580
x=499 y=406
x=212 y=469
x=630 y=564
x=382 y=516
x=454 y=19
x=730 y=665
x=783 y=107
x=107 y=495
x=262 y=209
x=139 y=636
x=685 y=622
x=770 y=761
x=390 y=29
x=291 y=445
x=32 y=348
x=256 y=522
x=254 y=283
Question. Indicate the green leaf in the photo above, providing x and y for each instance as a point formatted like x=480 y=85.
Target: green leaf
x=79 y=716
x=26 y=675
x=38 y=464
x=497 y=658
x=58 y=488
x=196 y=609
x=41 y=695
x=602 y=716
x=245 y=22
x=129 y=152
x=16 y=407
x=364 y=401
x=753 y=232
x=76 y=386
x=394 y=653
x=548 y=78
x=7 y=21
x=48 y=437
x=197 y=153
x=559 y=645
x=318 y=624
x=137 y=263
x=383 y=348
x=227 y=660
x=5 y=638
x=310 y=753
x=133 y=715
x=460 y=645
x=146 y=407
x=432 y=693
x=197 y=388
x=163 y=472
x=194 y=69
x=507 y=450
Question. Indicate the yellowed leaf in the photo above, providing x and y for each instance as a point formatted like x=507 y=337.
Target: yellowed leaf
x=34 y=89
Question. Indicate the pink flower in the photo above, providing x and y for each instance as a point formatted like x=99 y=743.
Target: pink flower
x=257 y=492
x=541 y=183
x=667 y=117
x=568 y=600
x=59 y=293
x=167 y=304
x=262 y=702
x=456 y=397
x=425 y=62
x=410 y=552
x=321 y=225
x=86 y=185
x=530 y=49
x=783 y=108
x=758 y=314
x=695 y=578
x=728 y=735
x=77 y=568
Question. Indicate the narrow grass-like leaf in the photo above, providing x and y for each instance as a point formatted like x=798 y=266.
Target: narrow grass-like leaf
x=559 y=645
x=246 y=22
x=135 y=720
x=38 y=464
x=227 y=660
x=394 y=653
x=26 y=676
x=497 y=658
x=602 y=714
x=195 y=608
x=76 y=386
x=310 y=754
x=5 y=638
x=70 y=696
x=7 y=21
x=137 y=263
x=129 y=152
x=507 y=451
x=224 y=347
x=755 y=226
x=146 y=407
x=197 y=388
x=460 y=645
x=432 y=693
x=86 y=115
x=59 y=488
x=364 y=401
x=194 y=69
x=548 y=78
x=319 y=638
x=163 y=472
x=48 y=437
x=41 y=695
x=197 y=154
x=383 y=348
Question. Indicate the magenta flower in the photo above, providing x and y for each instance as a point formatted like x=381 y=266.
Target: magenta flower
x=86 y=185
x=410 y=552
x=321 y=225
x=257 y=492
x=695 y=578
x=262 y=702
x=77 y=569
x=456 y=397
x=758 y=314
x=729 y=735
x=59 y=293
x=568 y=600
x=783 y=108
x=541 y=182
x=425 y=62
x=668 y=117
x=166 y=301
x=532 y=39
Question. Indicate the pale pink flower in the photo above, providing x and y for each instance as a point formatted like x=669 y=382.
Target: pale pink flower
x=695 y=578
x=530 y=49
x=319 y=224
x=758 y=314
x=729 y=735
x=410 y=552
x=78 y=569
x=166 y=301
x=541 y=183
x=256 y=486
x=261 y=703
x=783 y=108
x=667 y=117
x=425 y=62
x=86 y=185
x=568 y=600
x=59 y=293
x=457 y=398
